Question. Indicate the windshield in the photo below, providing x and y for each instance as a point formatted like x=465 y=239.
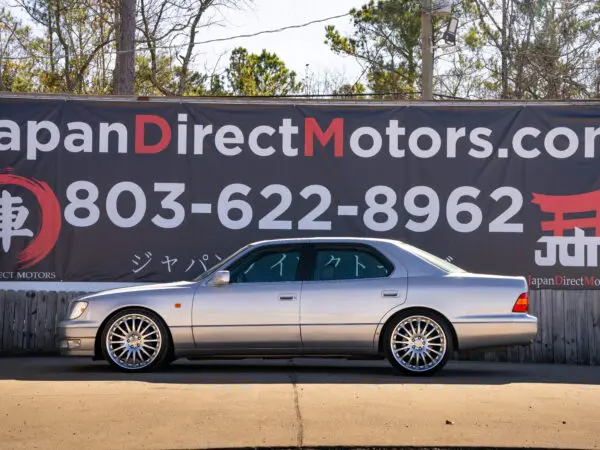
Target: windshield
x=220 y=264
x=432 y=259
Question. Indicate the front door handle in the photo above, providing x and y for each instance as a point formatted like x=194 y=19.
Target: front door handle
x=287 y=297
x=390 y=293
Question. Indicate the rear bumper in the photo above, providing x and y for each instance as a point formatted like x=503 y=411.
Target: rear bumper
x=503 y=332
x=76 y=340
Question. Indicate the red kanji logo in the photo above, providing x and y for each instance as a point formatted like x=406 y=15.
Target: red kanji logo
x=13 y=215
x=559 y=205
x=577 y=250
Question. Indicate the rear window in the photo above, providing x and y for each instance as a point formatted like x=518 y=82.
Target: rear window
x=440 y=263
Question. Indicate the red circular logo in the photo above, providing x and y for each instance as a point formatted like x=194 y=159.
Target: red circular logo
x=50 y=224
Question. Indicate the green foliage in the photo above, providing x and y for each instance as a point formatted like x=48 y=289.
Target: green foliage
x=350 y=89
x=247 y=74
x=262 y=74
x=15 y=66
x=386 y=38
x=536 y=50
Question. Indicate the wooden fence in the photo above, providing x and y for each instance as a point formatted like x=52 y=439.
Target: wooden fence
x=569 y=326
x=28 y=320
x=568 y=330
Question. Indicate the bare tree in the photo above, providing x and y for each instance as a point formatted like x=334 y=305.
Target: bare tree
x=125 y=27
x=545 y=47
x=75 y=35
x=171 y=29
x=15 y=64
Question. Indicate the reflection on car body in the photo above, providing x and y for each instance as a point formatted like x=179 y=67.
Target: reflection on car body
x=307 y=297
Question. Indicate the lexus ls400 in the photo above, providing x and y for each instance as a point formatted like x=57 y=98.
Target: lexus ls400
x=344 y=297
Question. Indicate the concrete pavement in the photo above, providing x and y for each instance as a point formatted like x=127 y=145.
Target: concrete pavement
x=76 y=403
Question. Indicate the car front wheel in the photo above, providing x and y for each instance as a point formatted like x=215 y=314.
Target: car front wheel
x=418 y=344
x=136 y=340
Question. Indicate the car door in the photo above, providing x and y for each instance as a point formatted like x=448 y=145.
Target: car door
x=258 y=309
x=350 y=289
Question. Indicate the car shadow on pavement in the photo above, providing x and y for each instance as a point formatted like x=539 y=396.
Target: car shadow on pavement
x=313 y=371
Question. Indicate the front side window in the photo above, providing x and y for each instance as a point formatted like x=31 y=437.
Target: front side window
x=349 y=264
x=267 y=267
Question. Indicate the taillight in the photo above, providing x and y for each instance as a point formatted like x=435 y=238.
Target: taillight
x=522 y=304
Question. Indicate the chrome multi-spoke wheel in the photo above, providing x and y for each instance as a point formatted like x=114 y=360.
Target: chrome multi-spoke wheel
x=135 y=340
x=418 y=344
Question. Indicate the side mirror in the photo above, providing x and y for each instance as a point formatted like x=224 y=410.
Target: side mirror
x=220 y=278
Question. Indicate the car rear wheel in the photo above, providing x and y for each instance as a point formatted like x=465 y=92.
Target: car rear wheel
x=136 y=340
x=418 y=344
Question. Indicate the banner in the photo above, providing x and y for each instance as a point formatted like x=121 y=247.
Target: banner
x=106 y=190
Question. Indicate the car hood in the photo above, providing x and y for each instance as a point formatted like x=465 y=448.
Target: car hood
x=136 y=290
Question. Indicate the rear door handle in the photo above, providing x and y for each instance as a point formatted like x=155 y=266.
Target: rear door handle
x=390 y=293
x=287 y=297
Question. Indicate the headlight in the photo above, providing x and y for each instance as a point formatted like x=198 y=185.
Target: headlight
x=77 y=309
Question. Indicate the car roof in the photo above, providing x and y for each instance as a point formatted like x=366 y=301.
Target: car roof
x=326 y=240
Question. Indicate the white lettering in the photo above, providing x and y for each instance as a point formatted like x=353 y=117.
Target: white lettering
x=13 y=134
x=253 y=141
x=200 y=132
x=572 y=251
x=33 y=144
x=476 y=139
x=106 y=129
x=454 y=135
x=85 y=137
x=375 y=144
x=518 y=142
x=571 y=147
x=413 y=142
x=222 y=140
x=591 y=134
x=394 y=132
x=287 y=130
x=182 y=134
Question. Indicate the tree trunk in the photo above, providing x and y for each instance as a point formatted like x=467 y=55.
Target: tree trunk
x=125 y=34
x=504 y=51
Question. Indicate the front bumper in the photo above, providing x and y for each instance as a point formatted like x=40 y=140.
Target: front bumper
x=76 y=338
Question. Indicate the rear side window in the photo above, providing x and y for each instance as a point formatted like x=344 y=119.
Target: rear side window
x=349 y=264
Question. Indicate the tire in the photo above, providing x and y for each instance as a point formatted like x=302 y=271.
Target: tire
x=427 y=345
x=136 y=340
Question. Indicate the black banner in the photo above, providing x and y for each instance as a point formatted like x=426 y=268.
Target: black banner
x=162 y=190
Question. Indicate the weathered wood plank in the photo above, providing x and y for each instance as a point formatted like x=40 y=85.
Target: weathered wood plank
x=40 y=321
x=583 y=343
x=19 y=321
x=40 y=315
x=30 y=319
x=512 y=354
x=27 y=300
x=2 y=303
x=533 y=351
x=558 y=328
x=571 y=327
x=502 y=355
x=593 y=325
x=9 y=316
x=13 y=299
x=547 y=305
x=50 y=321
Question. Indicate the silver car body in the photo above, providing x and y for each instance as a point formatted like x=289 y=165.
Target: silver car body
x=334 y=318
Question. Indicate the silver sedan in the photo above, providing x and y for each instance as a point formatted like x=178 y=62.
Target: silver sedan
x=306 y=297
